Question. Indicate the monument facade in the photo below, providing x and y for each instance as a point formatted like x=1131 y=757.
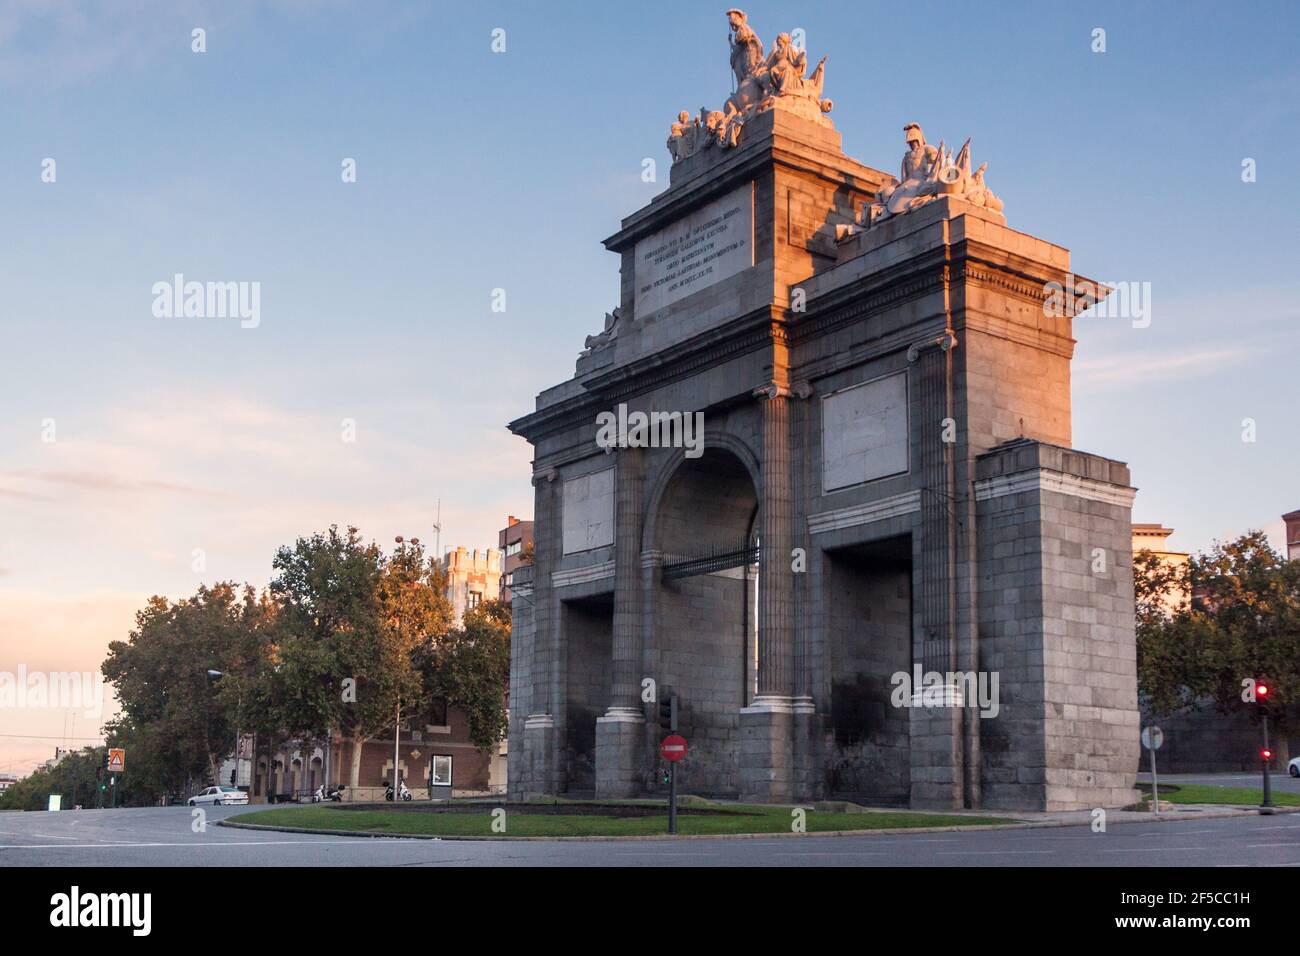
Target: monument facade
x=888 y=577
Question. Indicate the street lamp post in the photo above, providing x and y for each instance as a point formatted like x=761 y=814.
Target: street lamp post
x=397 y=719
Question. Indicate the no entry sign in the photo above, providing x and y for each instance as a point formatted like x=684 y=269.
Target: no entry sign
x=673 y=748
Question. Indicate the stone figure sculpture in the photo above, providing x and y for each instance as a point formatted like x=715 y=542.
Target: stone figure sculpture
x=607 y=335
x=927 y=173
x=776 y=81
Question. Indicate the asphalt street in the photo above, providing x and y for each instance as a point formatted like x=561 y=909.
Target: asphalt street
x=164 y=836
x=1280 y=781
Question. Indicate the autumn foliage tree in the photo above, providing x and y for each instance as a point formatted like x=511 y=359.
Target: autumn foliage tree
x=351 y=620
x=1231 y=614
x=470 y=667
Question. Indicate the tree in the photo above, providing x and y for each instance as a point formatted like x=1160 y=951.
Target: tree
x=350 y=620
x=74 y=777
x=1242 y=621
x=171 y=712
x=470 y=668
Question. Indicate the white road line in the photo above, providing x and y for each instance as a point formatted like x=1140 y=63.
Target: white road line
x=992 y=852
x=223 y=846
x=1156 y=849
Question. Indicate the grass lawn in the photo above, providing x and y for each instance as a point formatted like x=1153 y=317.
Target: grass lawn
x=734 y=819
x=1232 y=796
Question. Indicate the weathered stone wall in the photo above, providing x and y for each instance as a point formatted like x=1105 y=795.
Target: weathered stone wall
x=588 y=629
x=700 y=645
x=869 y=629
x=1057 y=596
x=1202 y=740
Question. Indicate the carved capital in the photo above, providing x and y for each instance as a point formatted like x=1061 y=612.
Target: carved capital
x=550 y=474
x=802 y=389
x=942 y=342
x=769 y=391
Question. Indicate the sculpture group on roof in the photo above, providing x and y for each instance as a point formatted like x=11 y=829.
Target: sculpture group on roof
x=777 y=81
x=762 y=83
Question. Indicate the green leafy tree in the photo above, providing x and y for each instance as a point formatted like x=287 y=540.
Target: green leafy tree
x=470 y=668
x=1238 y=618
x=180 y=724
x=350 y=620
x=73 y=778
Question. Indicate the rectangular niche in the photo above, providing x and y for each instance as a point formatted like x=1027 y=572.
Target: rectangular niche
x=865 y=432
x=588 y=520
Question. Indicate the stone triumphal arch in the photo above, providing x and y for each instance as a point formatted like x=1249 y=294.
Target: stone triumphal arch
x=884 y=574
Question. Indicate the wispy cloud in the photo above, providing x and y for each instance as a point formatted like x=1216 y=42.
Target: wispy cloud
x=103 y=481
x=1142 y=368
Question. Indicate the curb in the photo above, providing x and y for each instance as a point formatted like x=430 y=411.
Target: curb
x=895 y=831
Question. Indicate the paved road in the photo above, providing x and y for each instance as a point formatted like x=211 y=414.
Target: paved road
x=163 y=837
x=1281 y=782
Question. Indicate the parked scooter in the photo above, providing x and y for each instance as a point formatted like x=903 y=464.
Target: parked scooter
x=321 y=795
x=388 y=792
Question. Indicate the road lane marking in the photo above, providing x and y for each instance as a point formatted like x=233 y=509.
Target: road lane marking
x=127 y=846
x=1155 y=849
x=996 y=852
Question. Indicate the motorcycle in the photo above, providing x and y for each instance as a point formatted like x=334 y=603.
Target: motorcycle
x=388 y=792
x=334 y=794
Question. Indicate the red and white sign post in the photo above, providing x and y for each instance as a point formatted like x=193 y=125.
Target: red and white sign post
x=673 y=748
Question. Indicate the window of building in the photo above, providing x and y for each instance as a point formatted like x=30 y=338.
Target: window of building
x=514 y=547
x=439 y=771
x=475 y=598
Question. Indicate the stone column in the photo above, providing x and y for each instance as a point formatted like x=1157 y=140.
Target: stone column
x=807 y=782
x=766 y=725
x=936 y=769
x=620 y=733
x=533 y=769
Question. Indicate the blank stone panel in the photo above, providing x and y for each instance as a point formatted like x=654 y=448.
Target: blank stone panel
x=589 y=511
x=864 y=432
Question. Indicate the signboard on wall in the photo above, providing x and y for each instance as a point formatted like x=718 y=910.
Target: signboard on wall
x=588 y=520
x=865 y=432
x=713 y=243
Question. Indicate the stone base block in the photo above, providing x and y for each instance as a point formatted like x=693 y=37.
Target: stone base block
x=767 y=769
x=620 y=740
x=532 y=761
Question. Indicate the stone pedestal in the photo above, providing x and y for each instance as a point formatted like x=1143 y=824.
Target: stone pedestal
x=620 y=737
x=766 y=750
x=532 y=765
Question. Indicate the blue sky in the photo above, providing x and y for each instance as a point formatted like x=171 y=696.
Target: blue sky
x=479 y=171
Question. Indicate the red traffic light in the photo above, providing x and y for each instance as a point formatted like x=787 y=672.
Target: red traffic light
x=1266 y=754
x=1261 y=691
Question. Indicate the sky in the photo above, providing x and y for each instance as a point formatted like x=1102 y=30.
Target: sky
x=178 y=439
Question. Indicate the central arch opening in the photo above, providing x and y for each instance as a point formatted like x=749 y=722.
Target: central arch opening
x=705 y=614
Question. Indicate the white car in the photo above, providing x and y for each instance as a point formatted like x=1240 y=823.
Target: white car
x=220 y=797
x=1293 y=768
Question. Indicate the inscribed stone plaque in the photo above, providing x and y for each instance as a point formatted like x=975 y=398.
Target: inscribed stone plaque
x=588 y=511
x=864 y=432
x=710 y=244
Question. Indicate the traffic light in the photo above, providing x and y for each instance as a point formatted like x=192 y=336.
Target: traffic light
x=668 y=714
x=1262 y=690
x=1266 y=755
